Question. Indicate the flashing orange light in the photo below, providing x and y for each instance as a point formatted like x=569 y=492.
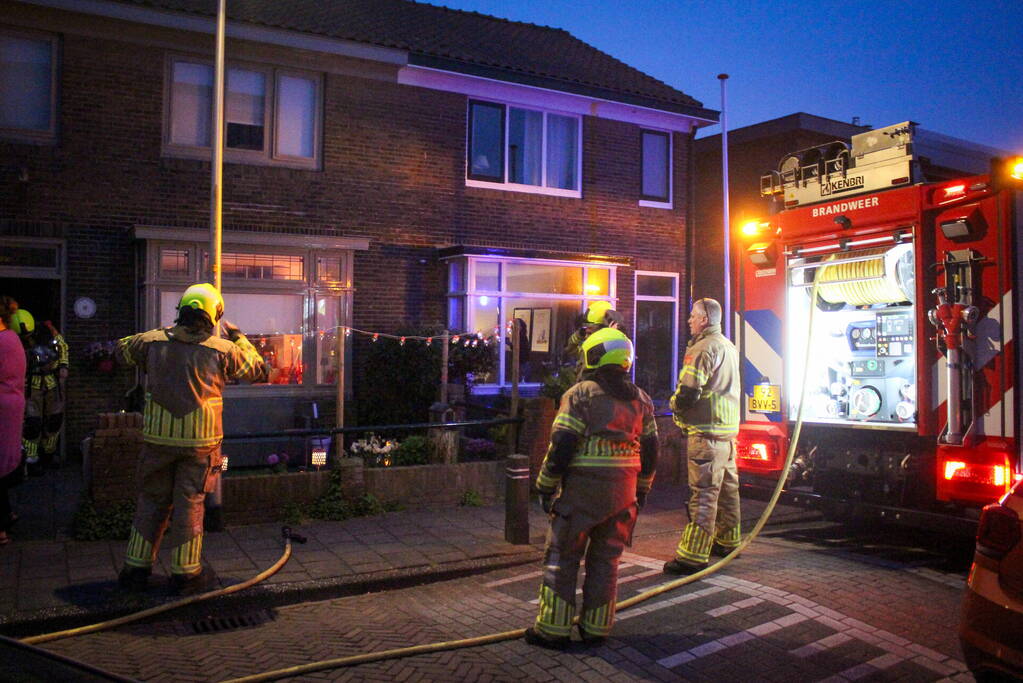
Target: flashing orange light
x=753 y=228
x=1016 y=168
x=992 y=475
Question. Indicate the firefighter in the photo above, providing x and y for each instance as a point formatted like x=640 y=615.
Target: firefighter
x=186 y=368
x=47 y=362
x=598 y=316
x=706 y=406
x=602 y=457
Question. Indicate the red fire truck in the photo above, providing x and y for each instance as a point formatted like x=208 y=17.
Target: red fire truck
x=912 y=407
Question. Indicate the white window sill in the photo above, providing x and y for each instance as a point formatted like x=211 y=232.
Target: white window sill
x=656 y=205
x=528 y=189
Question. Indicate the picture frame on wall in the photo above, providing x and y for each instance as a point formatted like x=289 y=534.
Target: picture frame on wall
x=540 y=331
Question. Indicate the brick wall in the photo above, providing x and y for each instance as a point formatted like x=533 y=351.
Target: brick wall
x=393 y=165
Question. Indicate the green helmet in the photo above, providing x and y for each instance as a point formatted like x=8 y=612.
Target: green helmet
x=608 y=347
x=205 y=298
x=22 y=322
x=595 y=313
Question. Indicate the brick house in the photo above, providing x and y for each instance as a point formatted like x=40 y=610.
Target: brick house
x=387 y=164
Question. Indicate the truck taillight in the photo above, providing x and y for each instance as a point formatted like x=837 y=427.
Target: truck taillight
x=757 y=452
x=981 y=474
x=998 y=531
x=991 y=475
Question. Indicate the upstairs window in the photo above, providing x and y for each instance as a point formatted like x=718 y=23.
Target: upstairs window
x=524 y=150
x=270 y=115
x=27 y=86
x=655 y=183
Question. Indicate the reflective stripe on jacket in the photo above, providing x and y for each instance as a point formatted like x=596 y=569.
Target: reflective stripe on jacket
x=185 y=378
x=710 y=370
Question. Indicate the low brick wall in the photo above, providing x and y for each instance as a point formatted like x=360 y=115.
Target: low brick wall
x=248 y=499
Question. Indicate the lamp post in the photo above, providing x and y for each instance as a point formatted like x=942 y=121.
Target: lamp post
x=216 y=190
x=726 y=303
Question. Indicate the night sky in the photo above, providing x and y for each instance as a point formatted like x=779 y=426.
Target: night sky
x=953 y=67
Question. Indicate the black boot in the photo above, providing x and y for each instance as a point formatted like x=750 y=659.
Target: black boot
x=534 y=637
x=590 y=638
x=677 y=566
x=192 y=584
x=135 y=579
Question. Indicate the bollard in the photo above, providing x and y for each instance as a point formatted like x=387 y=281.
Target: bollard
x=516 y=500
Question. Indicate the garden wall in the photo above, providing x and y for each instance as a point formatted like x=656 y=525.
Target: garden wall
x=249 y=499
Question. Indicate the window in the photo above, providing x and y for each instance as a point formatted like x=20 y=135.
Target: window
x=485 y=293
x=28 y=86
x=656 y=168
x=524 y=150
x=289 y=302
x=270 y=115
x=656 y=367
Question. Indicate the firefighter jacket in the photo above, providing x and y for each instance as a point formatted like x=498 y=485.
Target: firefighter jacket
x=706 y=401
x=186 y=373
x=45 y=360
x=608 y=467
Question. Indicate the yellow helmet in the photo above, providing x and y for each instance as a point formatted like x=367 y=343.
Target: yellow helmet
x=206 y=298
x=22 y=322
x=595 y=313
x=608 y=346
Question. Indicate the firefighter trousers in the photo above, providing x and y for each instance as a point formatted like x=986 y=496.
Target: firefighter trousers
x=44 y=414
x=602 y=546
x=713 y=499
x=172 y=483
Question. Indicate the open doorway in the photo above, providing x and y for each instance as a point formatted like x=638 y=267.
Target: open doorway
x=38 y=296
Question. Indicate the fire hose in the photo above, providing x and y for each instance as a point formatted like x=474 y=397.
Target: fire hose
x=160 y=609
x=399 y=653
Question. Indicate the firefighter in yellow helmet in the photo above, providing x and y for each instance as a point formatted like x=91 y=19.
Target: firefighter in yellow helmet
x=598 y=315
x=186 y=368
x=602 y=457
x=47 y=363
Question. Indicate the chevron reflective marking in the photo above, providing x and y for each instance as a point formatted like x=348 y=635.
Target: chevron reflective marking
x=761 y=358
x=992 y=423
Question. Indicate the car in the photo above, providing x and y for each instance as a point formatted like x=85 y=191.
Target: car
x=991 y=621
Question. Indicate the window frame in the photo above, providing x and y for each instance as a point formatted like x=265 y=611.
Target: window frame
x=309 y=288
x=469 y=290
x=31 y=135
x=489 y=182
x=269 y=155
x=651 y=201
x=674 y=298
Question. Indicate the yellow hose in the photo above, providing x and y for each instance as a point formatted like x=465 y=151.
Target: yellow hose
x=398 y=653
x=128 y=618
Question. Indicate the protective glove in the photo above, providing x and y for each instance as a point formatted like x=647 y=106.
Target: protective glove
x=547 y=501
x=640 y=499
x=232 y=331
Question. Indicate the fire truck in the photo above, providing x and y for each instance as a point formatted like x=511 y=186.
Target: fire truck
x=911 y=410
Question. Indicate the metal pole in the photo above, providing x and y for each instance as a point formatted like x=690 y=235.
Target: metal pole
x=444 y=355
x=217 y=191
x=342 y=337
x=513 y=431
x=726 y=303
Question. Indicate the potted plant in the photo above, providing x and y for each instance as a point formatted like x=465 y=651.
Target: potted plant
x=101 y=355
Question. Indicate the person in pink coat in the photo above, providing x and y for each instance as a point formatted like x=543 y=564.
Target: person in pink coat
x=12 y=411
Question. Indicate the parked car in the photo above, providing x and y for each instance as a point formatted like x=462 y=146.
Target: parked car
x=991 y=624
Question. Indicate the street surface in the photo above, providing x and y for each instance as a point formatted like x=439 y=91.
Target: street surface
x=808 y=601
